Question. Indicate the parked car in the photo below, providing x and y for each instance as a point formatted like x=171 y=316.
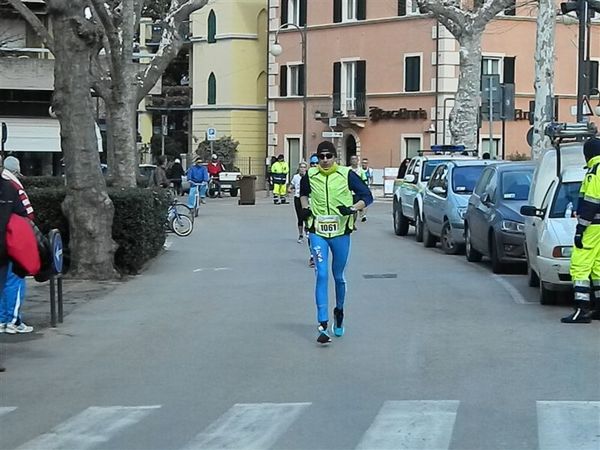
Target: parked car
x=494 y=226
x=550 y=222
x=407 y=207
x=445 y=202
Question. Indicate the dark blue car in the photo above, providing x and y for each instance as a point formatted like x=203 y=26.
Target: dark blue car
x=494 y=226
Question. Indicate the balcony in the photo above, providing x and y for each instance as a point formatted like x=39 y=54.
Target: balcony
x=348 y=110
x=26 y=69
x=173 y=98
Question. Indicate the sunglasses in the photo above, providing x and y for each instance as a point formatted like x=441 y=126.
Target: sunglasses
x=322 y=156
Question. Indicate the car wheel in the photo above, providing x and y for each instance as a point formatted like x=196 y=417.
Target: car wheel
x=471 y=254
x=212 y=193
x=497 y=266
x=233 y=192
x=418 y=225
x=448 y=245
x=547 y=296
x=400 y=222
x=429 y=239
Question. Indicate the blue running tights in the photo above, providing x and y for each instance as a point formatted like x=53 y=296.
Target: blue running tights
x=340 y=250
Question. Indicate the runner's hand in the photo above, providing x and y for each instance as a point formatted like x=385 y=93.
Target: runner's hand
x=305 y=214
x=346 y=210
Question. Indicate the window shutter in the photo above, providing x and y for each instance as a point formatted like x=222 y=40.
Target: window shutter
x=511 y=10
x=361 y=9
x=361 y=78
x=337 y=11
x=592 y=73
x=301 y=79
x=401 y=7
x=412 y=74
x=508 y=76
x=284 y=12
x=302 y=13
x=283 y=81
x=337 y=86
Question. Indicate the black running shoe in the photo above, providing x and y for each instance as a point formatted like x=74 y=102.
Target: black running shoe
x=579 y=316
x=323 y=337
x=338 y=328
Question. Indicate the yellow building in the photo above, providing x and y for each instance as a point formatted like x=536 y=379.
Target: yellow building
x=229 y=78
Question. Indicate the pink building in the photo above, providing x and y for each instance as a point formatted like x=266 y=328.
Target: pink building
x=386 y=75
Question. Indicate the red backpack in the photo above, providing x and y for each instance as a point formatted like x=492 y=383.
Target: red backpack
x=22 y=245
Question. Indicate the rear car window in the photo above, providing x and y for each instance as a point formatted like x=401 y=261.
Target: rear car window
x=465 y=178
x=566 y=198
x=515 y=185
x=429 y=168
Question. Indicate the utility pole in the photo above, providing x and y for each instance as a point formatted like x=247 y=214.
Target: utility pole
x=544 y=75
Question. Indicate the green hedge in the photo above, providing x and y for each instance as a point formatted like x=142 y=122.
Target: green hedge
x=138 y=227
x=43 y=182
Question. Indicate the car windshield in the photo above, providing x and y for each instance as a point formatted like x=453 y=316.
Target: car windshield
x=515 y=185
x=429 y=168
x=565 y=201
x=465 y=178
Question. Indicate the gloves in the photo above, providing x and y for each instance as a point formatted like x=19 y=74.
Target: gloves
x=305 y=213
x=578 y=239
x=346 y=210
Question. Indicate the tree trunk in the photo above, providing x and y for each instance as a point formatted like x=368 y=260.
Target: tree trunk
x=463 y=117
x=87 y=205
x=121 y=114
x=544 y=76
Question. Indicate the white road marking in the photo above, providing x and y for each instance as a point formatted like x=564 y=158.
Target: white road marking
x=248 y=427
x=168 y=244
x=568 y=425
x=6 y=409
x=89 y=428
x=213 y=269
x=198 y=270
x=412 y=425
x=512 y=291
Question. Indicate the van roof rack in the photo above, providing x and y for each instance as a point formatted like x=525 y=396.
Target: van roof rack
x=559 y=132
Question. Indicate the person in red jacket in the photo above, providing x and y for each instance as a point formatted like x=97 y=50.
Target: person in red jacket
x=215 y=167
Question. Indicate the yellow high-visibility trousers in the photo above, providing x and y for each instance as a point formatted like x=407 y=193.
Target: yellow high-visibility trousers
x=585 y=265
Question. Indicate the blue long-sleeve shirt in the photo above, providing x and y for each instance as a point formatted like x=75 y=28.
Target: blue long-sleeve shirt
x=197 y=174
x=355 y=184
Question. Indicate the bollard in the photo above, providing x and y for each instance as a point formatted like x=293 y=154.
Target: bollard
x=59 y=286
x=52 y=303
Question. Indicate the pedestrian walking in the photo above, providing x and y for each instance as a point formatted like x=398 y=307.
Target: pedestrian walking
x=13 y=293
x=585 y=259
x=176 y=174
x=295 y=188
x=369 y=180
x=159 y=176
x=279 y=173
x=326 y=193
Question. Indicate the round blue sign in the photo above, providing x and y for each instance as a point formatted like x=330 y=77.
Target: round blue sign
x=57 y=250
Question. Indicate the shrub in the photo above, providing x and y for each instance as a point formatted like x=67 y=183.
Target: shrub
x=43 y=182
x=138 y=227
x=518 y=156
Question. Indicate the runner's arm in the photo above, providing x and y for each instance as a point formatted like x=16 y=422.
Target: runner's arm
x=304 y=191
x=361 y=191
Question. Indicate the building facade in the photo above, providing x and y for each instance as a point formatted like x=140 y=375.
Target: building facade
x=229 y=78
x=383 y=76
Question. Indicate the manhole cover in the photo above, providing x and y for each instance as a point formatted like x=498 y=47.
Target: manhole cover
x=371 y=276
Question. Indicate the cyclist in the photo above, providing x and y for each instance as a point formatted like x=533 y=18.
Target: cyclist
x=330 y=219
x=198 y=177
x=215 y=167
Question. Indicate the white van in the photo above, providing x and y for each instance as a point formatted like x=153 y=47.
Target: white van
x=550 y=219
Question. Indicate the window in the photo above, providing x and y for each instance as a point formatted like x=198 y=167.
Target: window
x=349 y=10
x=429 y=168
x=295 y=80
x=293 y=11
x=491 y=149
x=490 y=66
x=212 y=89
x=483 y=181
x=212 y=27
x=412 y=145
x=502 y=66
x=412 y=74
x=515 y=185
x=408 y=7
x=464 y=179
x=293 y=148
x=511 y=10
x=348 y=87
x=566 y=198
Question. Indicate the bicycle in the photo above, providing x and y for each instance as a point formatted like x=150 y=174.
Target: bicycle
x=195 y=191
x=178 y=223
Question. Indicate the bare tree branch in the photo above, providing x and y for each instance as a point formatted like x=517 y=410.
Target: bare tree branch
x=489 y=10
x=111 y=33
x=34 y=22
x=448 y=12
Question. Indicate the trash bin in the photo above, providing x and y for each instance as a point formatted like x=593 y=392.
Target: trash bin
x=247 y=190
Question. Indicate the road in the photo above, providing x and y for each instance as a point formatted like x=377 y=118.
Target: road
x=213 y=347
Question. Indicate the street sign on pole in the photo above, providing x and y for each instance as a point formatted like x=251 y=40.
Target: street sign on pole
x=586 y=107
x=211 y=134
x=4 y=137
x=333 y=134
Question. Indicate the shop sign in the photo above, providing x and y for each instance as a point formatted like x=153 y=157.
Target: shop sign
x=376 y=114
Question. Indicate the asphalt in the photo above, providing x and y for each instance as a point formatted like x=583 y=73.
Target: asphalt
x=226 y=317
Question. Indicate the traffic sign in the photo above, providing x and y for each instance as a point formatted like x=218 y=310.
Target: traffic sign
x=333 y=134
x=57 y=250
x=530 y=137
x=211 y=134
x=587 y=108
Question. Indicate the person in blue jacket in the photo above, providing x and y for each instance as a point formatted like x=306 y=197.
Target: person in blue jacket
x=198 y=175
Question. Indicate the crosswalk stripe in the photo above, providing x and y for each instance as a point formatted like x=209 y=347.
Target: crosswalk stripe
x=566 y=424
x=248 y=427
x=89 y=428
x=6 y=409
x=412 y=425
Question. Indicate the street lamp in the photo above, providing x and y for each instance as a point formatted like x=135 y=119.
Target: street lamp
x=276 y=50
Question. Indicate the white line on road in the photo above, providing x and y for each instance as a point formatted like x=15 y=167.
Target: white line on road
x=568 y=425
x=89 y=428
x=6 y=409
x=168 y=244
x=213 y=269
x=248 y=427
x=412 y=425
x=513 y=291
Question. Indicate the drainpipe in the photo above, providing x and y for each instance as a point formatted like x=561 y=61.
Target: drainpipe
x=437 y=76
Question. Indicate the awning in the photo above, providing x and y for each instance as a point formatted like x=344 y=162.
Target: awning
x=36 y=134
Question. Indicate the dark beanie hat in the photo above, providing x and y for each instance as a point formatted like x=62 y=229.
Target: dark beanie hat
x=591 y=148
x=326 y=147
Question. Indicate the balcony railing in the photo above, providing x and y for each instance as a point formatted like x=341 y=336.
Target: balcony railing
x=173 y=97
x=349 y=105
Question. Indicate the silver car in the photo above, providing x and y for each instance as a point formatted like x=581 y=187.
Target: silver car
x=445 y=202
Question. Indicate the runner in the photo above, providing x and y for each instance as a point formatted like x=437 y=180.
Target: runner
x=295 y=187
x=330 y=219
x=314 y=162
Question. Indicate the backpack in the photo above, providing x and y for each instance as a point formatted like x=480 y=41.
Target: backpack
x=22 y=245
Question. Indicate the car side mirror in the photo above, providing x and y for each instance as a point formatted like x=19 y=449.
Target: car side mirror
x=410 y=178
x=439 y=190
x=532 y=211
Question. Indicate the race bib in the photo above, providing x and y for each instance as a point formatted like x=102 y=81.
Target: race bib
x=327 y=224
